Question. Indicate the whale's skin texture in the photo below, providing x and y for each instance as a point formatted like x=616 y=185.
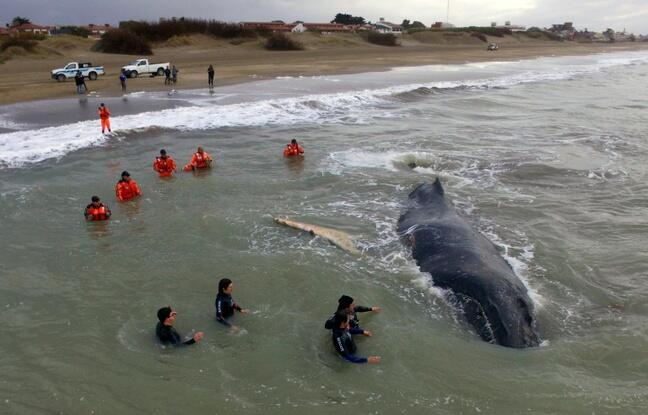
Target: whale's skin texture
x=460 y=259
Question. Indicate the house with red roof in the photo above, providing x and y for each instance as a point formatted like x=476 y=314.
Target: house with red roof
x=30 y=28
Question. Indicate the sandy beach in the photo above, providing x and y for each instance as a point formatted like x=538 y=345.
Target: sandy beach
x=26 y=78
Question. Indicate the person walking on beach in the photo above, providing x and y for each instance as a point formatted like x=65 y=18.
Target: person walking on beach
x=167 y=334
x=104 y=115
x=167 y=76
x=210 y=76
x=122 y=80
x=225 y=305
x=343 y=340
x=127 y=188
x=96 y=211
x=174 y=74
x=79 y=80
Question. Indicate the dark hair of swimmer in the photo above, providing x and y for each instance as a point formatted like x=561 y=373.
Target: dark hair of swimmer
x=125 y=173
x=293 y=141
x=223 y=284
x=163 y=152
x=340 y=317
x=163 y=313
x=95 y=198
x=102 y=105
x=344 y=302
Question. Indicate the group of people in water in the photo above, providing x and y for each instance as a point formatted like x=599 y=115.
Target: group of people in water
x=344 y=323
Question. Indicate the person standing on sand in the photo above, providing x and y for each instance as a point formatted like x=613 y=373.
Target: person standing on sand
x=210 y=76
x=122 y=80
x=79 y=80
x=167 y=76
x=174 y=74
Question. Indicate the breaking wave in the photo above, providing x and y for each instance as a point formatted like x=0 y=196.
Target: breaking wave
x=25 y=147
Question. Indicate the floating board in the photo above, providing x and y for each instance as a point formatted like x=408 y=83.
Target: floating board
x=337 y=238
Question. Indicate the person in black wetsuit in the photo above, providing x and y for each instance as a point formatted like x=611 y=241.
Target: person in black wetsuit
x=225 y=305
x=346 y=303
x=343 y=343
x=167 y=334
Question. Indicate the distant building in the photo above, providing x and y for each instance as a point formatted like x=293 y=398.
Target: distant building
x=297 y=27
x=329 y=27
x=509 y=26
x=30 y=28
x=97 y=30
x=270 y=26
x=3 y=32
x=383 y=26
x=442 y=25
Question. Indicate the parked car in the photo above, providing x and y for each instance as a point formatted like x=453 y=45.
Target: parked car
x=70 y=70
x=142 y=66
x=492 y=46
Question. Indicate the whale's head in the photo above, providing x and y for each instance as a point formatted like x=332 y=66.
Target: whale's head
x=503 y=314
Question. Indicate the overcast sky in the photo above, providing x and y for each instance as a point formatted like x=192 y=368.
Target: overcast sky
x=592 y=14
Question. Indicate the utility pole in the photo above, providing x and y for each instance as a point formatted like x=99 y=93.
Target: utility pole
x=448 y=13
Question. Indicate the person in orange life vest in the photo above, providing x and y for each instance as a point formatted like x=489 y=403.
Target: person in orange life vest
x=127 y=188
x=96 y=210
x=164 y=165
x=200 y=160
x=293 y=149
x=104 y=114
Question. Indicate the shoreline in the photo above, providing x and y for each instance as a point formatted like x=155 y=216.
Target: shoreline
x=25 y=79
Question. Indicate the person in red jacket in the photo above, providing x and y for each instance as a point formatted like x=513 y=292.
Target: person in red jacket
x=164 y=165
x=293 y=149
x=104 y=115
x=96 y=210
x=200 y=160
x=127 y=188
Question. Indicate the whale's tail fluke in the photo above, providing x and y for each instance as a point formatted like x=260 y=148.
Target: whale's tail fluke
x=337 y=238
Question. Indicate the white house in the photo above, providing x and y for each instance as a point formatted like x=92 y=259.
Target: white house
x=386 y=27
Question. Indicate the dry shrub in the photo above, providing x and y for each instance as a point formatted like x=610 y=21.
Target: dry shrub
x=279 y=41
x=123 y=41
x=384 y=39
x=27 y=44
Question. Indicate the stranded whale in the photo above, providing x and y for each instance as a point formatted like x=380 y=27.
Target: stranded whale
x=462 y=260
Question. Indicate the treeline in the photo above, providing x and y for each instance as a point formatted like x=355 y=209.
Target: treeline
x=166 y=29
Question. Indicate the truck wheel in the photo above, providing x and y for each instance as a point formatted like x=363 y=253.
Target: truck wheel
x=160 y=71
x=133 y=74
x=60 y=77
x=92 y=76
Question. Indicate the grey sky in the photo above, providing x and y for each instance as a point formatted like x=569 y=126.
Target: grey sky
x=591 y=14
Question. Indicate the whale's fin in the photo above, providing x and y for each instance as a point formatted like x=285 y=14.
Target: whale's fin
x=438 y=187
x=337 y=238
x=425 y=192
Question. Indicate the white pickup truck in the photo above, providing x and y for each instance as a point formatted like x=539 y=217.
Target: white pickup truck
x=71 y=69
x=142 y=66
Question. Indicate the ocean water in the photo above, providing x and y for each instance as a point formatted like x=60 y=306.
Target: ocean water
x=546 y=157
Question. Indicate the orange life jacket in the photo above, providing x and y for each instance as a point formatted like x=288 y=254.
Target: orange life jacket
x=293 y=150
x=200 y=161
x=164 y=167
x=103 y=113
x=127 y=190
x=97 y=213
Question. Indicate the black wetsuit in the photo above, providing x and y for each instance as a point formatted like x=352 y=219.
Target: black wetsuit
x=345 y=346
x=225 y=307
x=169 y=335
x=353 y=318
x=210 y=76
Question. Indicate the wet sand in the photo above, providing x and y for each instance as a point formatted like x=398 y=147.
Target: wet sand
x=28 y=78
